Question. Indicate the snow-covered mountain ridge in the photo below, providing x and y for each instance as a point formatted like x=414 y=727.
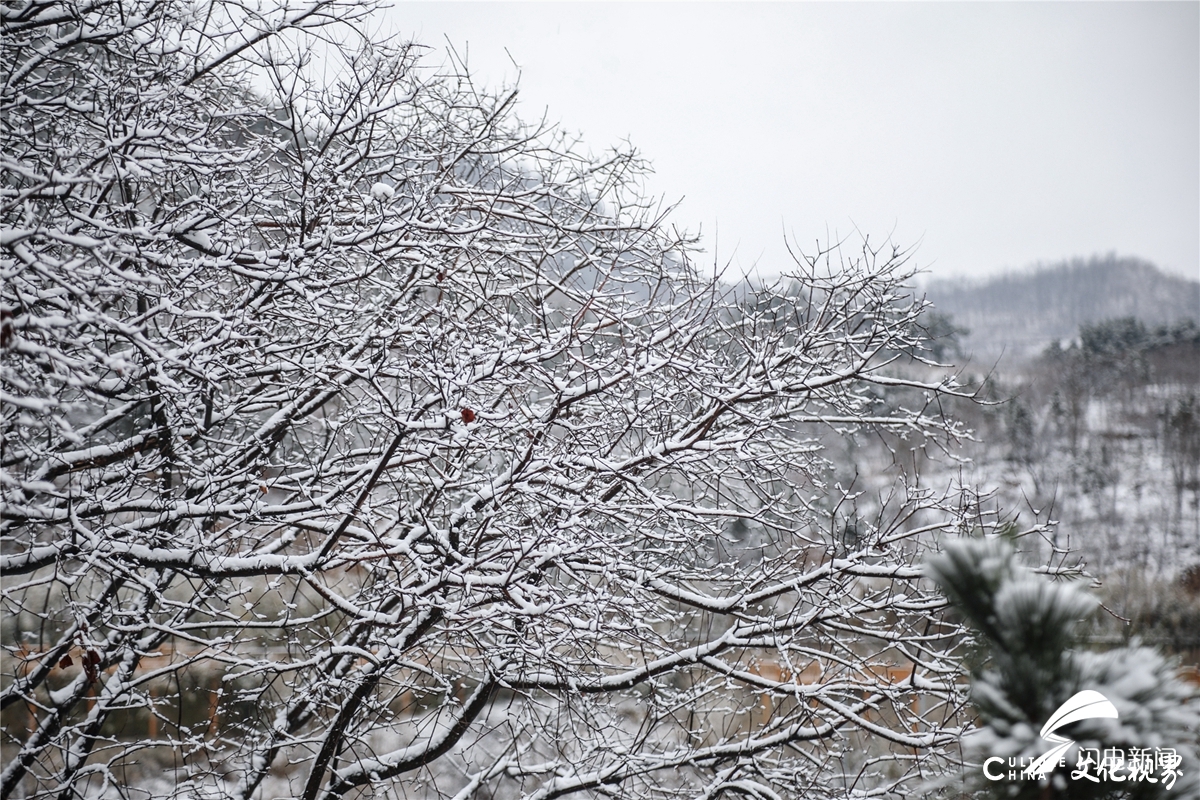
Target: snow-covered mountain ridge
x=1020 y=313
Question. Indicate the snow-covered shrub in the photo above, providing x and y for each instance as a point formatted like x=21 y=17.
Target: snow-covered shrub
x=1031 y=661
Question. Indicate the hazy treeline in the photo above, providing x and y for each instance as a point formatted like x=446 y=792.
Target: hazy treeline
x=1102 y=436
x=1019 y=313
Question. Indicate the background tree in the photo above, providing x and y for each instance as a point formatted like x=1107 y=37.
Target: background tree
x=359 y=439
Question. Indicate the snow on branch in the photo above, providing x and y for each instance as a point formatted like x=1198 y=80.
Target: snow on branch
x=357 y=434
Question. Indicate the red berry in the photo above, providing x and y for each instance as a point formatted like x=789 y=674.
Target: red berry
x=468 y=415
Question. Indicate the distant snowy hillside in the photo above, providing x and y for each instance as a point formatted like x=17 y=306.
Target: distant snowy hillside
x=1020 y=313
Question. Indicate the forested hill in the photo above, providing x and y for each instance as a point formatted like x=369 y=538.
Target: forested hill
x=1019 y=313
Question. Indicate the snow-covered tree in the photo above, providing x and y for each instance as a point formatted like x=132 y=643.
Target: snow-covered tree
x=1137 y=727
x=361 y=440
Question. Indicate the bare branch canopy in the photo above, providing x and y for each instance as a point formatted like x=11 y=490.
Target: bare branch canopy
x=361 y=440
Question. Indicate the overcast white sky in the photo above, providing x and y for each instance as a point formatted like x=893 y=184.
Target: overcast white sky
x=994 y=135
